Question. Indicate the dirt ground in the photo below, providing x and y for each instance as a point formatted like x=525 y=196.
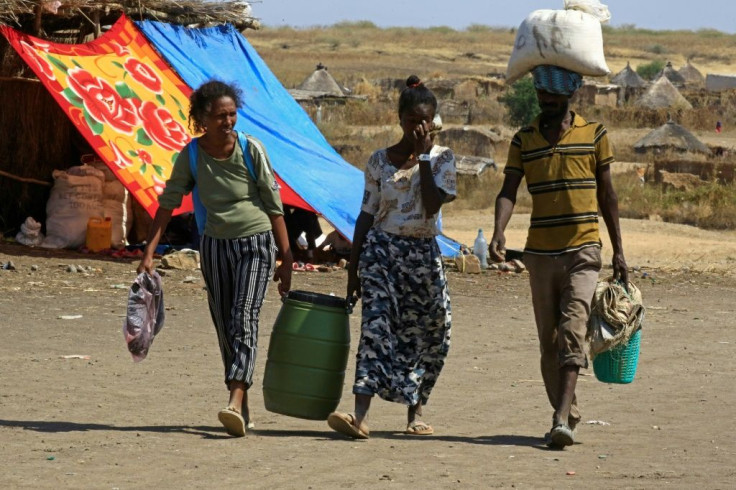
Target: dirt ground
x=105 y=422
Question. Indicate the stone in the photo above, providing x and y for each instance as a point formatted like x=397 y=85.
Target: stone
x=468 y=264
x=182 y=260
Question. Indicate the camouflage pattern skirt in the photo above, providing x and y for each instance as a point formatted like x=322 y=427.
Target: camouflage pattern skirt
x=405 y=329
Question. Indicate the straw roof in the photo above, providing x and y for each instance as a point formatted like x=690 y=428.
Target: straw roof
x=671 y=136
x=662 y=94
x=628 y=78
x=692 y=75
x=320 y=81
x=672 y=75
x=50 y=17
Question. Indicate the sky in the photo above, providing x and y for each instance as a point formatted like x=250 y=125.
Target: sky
x=459 y=14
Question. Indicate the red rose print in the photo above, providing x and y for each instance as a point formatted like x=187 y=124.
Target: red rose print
x=145 y=157
x=102 y=102
x=38 y=64
x=143 y=74
x=161 y=127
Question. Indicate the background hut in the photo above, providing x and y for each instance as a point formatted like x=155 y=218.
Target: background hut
x=672 y=75
x=673 y=137
x=692 y=76
x=632 y=84
x=662 y=94
x=38 y=137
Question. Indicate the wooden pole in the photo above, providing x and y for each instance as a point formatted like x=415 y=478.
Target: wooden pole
x=25 y=179
x=37 y=19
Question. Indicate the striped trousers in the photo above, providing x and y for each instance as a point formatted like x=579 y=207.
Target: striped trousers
x=236 y=272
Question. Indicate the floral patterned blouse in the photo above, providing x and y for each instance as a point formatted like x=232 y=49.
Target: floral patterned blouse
x=394 y=196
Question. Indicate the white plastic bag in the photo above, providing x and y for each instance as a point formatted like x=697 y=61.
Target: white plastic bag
x=571 y=39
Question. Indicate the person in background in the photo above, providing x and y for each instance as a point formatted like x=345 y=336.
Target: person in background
x=300 y=221
x=243 y=230
x=566 y=162
x=396 y=268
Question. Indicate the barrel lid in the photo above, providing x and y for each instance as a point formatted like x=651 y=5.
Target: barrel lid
x=318 y=299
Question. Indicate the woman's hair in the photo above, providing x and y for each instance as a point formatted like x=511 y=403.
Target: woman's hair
x=414 y=94
x=200 y=102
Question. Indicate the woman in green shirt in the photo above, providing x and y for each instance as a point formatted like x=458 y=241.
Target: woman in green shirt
x=244 y=228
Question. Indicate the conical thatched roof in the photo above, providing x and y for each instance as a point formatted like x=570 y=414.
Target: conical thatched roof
x=672 y=75
x=321 y=81
x=628 y=78
x=662 y=94
x=671 y=136
x=692 y=75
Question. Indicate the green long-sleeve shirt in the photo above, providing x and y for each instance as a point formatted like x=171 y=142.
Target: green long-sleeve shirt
x=236 y=205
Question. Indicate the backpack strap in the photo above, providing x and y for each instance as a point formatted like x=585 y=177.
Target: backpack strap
x=200 y=213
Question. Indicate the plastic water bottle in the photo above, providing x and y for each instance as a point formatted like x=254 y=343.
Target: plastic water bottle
x=480 y=249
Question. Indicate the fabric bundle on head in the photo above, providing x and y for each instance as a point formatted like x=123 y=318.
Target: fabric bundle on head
x=556 y=80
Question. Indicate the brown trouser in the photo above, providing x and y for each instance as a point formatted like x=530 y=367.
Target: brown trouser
x=562 y=290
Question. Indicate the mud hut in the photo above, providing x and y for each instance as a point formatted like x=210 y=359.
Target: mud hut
x=38 y=137
x=672 y=75
x=628 y=78
x=662 y=94
x=630 y=81
x=673 y=137
x=693 y=77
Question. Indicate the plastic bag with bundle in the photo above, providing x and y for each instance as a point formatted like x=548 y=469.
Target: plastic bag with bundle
x=145 y=314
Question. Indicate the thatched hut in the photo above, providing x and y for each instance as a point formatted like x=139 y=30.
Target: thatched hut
x=630 y=81
x=672 y=75
x=321 y=81
x=37 y=136
x=662 y=94
x=628 y=78
x=693 y=77
x=670 y=136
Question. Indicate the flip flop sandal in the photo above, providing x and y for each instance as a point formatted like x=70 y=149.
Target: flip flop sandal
x=343 y=423
x=232 y=421
x=419 y=428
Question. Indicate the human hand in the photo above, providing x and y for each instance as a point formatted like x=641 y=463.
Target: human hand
x=145 y=265
x=422 y=138
x=282 y=275
x=620 y=269
x=498 y=247
x=353 y=290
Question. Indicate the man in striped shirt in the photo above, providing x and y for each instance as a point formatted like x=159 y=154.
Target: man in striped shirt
x=566 y=162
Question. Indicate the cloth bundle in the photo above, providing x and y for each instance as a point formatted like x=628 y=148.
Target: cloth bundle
x=616 y=314
x=145 y=314
x=570 y=38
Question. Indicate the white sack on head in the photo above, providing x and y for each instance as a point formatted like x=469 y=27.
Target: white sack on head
x=570 y=39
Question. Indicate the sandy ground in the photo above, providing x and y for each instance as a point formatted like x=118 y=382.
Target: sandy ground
x=105 y=422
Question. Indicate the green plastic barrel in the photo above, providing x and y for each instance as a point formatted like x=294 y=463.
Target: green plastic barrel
x=307 y=356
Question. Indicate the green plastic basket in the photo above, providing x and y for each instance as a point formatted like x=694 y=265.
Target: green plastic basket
x=618 y=365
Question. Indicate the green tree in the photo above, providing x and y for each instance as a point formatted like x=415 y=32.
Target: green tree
x=521 y=102
x=649 y=70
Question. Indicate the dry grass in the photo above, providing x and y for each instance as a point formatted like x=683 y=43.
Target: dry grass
x=360 y=54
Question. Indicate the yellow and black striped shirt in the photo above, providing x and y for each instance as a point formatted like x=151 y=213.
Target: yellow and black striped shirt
x=562 y=182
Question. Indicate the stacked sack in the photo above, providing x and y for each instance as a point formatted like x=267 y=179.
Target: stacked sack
x=571 y=38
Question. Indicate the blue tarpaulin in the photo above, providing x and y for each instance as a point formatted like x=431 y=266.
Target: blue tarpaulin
x=299 y=153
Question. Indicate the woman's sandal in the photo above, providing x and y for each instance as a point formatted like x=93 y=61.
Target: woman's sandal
x=233 y=422
x=344 y=424
x=419 y=428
